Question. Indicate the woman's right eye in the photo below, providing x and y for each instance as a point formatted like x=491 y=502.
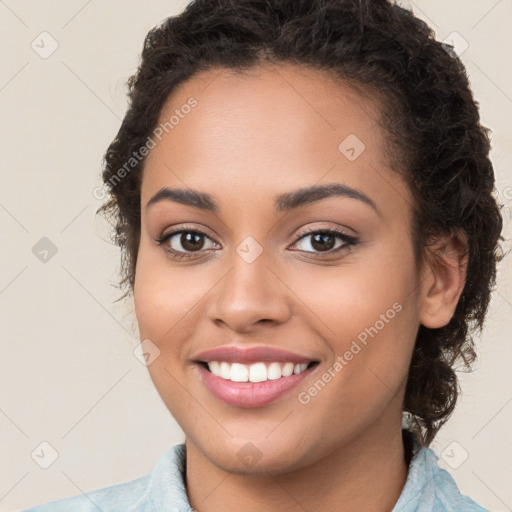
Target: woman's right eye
x=190 y=240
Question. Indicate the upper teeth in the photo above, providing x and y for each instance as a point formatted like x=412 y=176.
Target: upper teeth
x=257 y=372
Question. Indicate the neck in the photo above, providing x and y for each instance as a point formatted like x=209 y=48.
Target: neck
x=368 y=474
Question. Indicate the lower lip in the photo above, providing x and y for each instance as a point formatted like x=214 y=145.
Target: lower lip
x=251 y=394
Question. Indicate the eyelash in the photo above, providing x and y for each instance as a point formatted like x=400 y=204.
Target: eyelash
x=347 y=239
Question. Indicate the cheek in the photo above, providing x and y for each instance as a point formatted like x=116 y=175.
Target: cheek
x=164 y=307
x=354 y=296
x=369 y=317
x=164 y=299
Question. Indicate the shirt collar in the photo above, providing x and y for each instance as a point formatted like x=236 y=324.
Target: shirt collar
x=425 y=483
x=167 y=491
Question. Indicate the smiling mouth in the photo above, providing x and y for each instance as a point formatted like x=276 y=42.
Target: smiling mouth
x=255 y=372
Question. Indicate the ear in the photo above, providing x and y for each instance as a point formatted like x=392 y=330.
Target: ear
x=443 y=279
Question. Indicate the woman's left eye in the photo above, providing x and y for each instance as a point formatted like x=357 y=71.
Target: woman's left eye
x=324 y=240
x=191 y=241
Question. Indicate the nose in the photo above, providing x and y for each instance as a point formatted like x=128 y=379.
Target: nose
x=250 y=294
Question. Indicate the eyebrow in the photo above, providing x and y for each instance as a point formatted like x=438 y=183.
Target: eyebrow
x=282 y=203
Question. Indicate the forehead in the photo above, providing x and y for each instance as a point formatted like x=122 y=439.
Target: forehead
x=268 y=129
x=278 y=105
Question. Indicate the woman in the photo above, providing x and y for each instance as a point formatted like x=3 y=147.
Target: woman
x=304 y=201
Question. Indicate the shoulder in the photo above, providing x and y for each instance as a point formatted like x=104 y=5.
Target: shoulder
x=164 y=482
x=431 y=489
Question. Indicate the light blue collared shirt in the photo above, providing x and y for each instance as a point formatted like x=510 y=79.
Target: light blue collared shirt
x=428 y=488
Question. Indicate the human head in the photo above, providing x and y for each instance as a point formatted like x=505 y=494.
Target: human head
x=430 y=121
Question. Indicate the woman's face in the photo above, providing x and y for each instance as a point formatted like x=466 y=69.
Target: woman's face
x=255 y=264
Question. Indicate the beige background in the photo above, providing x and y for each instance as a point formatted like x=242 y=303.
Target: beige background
x=67 y=372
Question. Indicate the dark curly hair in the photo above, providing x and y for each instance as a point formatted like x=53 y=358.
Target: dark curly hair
x=428 y=113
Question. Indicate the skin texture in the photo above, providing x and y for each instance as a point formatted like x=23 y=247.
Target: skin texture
x=273 y=130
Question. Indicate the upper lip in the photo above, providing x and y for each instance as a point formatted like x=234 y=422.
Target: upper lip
x=235 y=354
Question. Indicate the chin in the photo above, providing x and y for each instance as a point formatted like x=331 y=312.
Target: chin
x=258 y=457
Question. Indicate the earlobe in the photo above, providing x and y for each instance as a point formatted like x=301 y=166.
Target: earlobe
x=443 y=279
